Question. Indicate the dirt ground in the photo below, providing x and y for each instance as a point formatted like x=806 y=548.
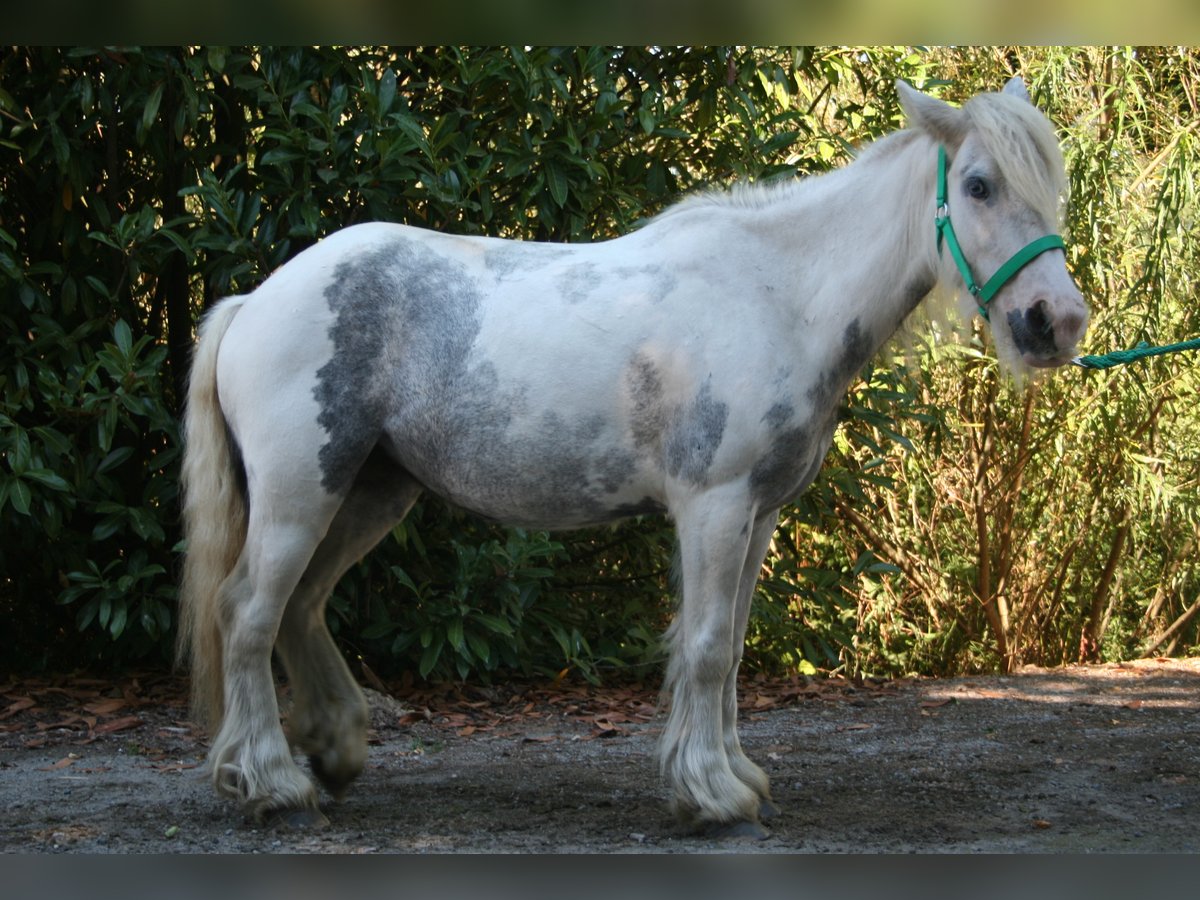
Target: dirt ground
x=1080 y=759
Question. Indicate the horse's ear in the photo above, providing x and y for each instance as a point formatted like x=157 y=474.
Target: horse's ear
x=1016 y=88
x=937 y=118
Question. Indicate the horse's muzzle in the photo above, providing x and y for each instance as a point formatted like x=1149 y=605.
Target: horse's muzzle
x=1046 y=334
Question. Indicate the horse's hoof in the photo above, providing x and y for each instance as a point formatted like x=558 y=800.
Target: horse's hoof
x=336 y=786
x=743 y=831
x=305 y=819
x=767 y=809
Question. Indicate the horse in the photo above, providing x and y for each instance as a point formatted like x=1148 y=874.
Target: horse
x=692 y=367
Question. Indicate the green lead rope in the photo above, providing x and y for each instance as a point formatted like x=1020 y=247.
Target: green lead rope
x=1141 y=351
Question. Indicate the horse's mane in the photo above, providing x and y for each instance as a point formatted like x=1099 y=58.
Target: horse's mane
x=748 y=195
x=1015 y=133
x=760 y=195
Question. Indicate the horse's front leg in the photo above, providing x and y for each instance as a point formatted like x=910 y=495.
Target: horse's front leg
x=716 y=528
x=747 y=771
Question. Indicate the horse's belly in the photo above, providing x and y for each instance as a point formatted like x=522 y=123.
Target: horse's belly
x=543 y=471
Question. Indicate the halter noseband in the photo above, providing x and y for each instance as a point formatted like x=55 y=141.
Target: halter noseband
x=1016 y=262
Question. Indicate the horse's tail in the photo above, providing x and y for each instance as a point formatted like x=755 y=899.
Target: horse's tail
x=214 y=520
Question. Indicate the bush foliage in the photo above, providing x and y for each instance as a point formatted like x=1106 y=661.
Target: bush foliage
x=960 y=523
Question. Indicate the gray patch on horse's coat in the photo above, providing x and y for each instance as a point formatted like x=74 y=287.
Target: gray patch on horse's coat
x=579 y=465
x=564 y=472
x=778 y=415
x=502 y=260
x=649 y=415
x=680 y=438
x=790 y=465
x=405 y=376
x=659 y=283
x=577 y=283
x=856 y=350
x=914 y=292
x=694 y=435
x=796 y=453
x=406 y=318
x=614 y=468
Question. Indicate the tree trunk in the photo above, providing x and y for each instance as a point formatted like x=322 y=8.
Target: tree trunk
x=1093 y=634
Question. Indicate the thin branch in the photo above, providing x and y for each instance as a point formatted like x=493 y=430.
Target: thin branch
x=1173 y=630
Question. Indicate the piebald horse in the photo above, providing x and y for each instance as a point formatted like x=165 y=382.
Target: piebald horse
x=692 y=368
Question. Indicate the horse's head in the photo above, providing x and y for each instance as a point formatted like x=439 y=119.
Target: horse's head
x=1000 y=192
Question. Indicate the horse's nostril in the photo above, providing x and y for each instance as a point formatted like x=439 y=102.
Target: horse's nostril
x=1038 y=320
x=1033 y=330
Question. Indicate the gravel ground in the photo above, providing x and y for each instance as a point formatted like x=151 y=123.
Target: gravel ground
x=1078 y=759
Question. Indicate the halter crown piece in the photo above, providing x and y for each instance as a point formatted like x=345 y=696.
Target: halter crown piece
x=1016 y=262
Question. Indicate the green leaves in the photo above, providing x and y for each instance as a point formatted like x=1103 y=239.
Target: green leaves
x=87 y=436
x=462 y=596
x=150 y=111
x=16 y=492
x=121 y=592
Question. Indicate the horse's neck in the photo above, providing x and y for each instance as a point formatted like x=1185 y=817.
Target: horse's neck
x=863 y=236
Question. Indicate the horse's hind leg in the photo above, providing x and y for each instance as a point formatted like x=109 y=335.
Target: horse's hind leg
x=328 y=719
x=715 y=529
x=250 y=759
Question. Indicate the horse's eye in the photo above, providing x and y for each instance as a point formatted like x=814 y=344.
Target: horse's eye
x=977 y=188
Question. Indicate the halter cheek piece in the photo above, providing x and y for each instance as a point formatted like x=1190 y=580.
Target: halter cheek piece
x=1016 y=262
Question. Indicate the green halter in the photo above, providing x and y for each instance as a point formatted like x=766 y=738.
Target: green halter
x=1015 y=263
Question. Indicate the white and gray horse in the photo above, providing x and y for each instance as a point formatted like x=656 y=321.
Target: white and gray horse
x=692 y=367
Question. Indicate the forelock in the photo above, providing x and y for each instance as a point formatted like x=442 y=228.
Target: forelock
x=1022 y=142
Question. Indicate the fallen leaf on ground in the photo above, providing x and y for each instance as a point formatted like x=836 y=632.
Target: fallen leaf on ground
x=118 y=725
x=410 y=718
x=17 y=706
x=106 y=707
x=607 y=729
x=62 y=723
